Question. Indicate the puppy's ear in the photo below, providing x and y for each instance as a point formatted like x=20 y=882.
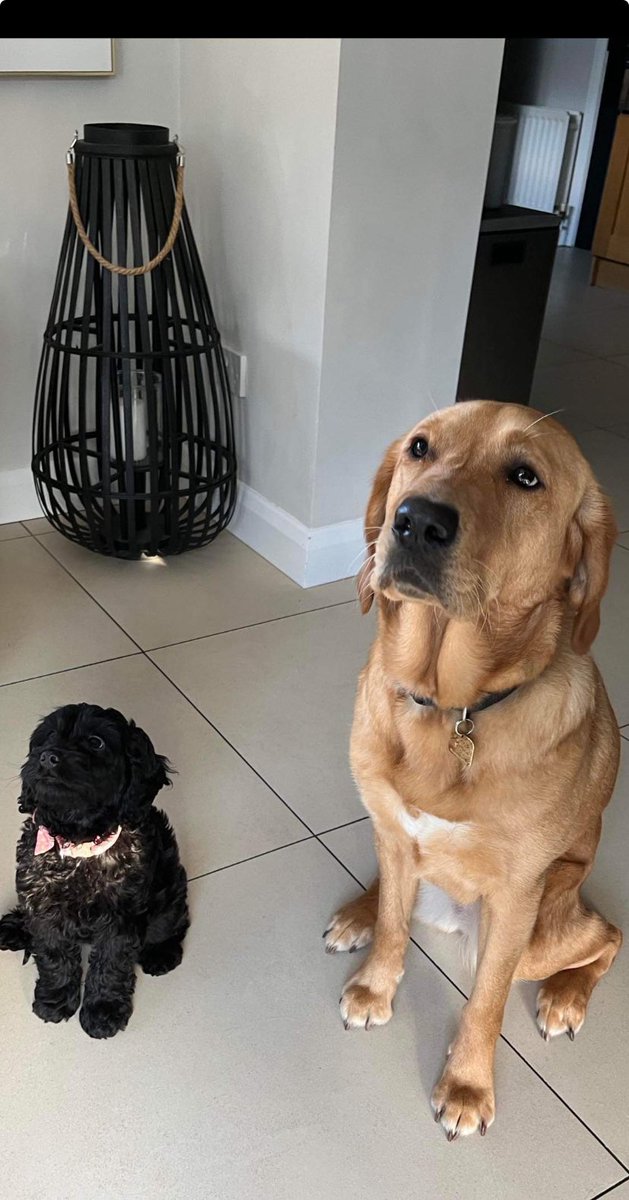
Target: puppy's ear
x=374 y=519
x=147 y=774
x=596 y=526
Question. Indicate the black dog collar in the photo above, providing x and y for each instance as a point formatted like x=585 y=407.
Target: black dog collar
x=492 y=698
x=460 y=743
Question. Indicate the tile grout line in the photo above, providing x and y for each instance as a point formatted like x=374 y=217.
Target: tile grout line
x=65 y=670
x=344 y=825
x=87 y=593
x=241 y=756
x=200 y=637
x=251 y=858
x=613 y=1187
x=503 y=1037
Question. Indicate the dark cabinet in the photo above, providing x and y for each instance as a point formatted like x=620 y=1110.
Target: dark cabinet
x=514 y=262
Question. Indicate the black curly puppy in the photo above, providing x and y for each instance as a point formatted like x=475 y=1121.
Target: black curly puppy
x=95 y=863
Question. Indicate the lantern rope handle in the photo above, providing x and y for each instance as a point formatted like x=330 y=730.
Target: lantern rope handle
x=91 y=248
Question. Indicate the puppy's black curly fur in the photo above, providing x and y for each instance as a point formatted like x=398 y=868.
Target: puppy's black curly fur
x=88 y=771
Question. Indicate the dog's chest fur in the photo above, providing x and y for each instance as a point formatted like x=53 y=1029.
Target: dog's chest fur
x=88 y=891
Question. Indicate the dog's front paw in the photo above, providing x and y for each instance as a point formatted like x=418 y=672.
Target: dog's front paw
x=362 y=1007
x=58 y=1008
x=351 y=927
x=461 y=1107
x=13 y=932
x=103 y=1018
x=162 y=957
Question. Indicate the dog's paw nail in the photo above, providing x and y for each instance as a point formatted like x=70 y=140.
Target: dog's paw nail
x=439 y=1113
x=452 y=1135
x=570 y=1032
x=353 y=949
x=346 y=1025
x=326 y=931
x=483 y=1128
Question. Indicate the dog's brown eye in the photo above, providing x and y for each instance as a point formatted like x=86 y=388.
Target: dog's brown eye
x=525 y=477
x=419 y=447
x=95 y=742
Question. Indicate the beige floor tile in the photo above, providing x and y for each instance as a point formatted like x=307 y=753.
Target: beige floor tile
x=38 y=525
x=608 y=455
x=221 y=810
x=591 y=392
x=551 y=354
x=12 y=530
x=284 y=694
x=223 y=586
x=236 y=1081
x=47 y=623
x=623 y=539
x=622 y=429
x=599 y=329
x=591 y=1074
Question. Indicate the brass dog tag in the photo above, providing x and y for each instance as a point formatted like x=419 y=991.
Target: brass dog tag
x=461 y=744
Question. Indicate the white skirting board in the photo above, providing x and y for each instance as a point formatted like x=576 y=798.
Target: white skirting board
x=309 y=556
x=18 y=499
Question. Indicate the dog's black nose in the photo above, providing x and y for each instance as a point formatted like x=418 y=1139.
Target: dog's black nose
x=48 y=758
x=424 y=524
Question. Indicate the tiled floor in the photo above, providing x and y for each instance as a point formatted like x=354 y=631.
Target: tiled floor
x=235 y=1077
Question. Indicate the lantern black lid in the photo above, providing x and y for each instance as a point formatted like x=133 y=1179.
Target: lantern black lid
x=126 y=133
x=115 y=138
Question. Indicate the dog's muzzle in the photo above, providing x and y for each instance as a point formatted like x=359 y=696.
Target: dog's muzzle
x=423 y=533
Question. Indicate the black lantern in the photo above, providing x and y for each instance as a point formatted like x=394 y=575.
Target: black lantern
x=133 y=442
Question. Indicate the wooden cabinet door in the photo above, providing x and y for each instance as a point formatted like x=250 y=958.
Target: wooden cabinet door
x=611 y=239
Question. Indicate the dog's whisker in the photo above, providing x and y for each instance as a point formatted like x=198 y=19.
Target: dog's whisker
x=544 y=417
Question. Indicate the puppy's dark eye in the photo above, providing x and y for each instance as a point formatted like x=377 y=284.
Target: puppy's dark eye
x=419 y=447
x=95 y=742
x=525 y=477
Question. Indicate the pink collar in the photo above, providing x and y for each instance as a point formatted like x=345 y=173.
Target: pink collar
x=45 y=841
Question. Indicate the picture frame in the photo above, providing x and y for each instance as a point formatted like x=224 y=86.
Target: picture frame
x=57 y=57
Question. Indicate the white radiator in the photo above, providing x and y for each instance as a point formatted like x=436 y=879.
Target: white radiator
x=543 y=158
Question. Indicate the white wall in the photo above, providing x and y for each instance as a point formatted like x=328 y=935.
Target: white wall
x=415 y=120
x=39 y=117
x=259 y=117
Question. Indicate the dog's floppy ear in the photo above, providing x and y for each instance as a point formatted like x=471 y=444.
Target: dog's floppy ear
x=374 y=519
x=147 y=773
x=596 y=526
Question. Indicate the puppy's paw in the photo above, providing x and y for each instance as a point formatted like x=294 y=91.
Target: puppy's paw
x=13 y=932
x=363 y=1008
x=462 y=1108
x=351 y=927
x=561 y=1006
x=103 y=1018
x=162 y=957
x=59 y=1008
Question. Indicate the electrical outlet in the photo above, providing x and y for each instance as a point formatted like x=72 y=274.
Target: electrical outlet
x=236 y=371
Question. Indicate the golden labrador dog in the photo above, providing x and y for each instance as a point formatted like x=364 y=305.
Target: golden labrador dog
x=484 y=745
